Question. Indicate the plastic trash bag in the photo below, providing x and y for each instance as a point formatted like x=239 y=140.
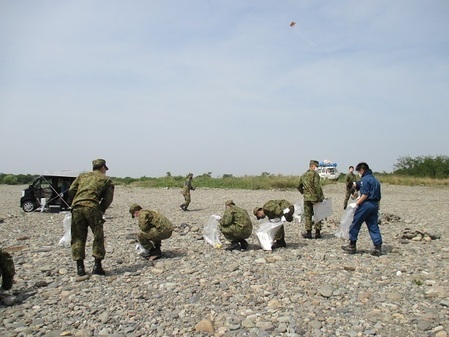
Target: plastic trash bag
x=322 y=210
x=67 y=237
x=266 y=232
x=346 y=220
x=211 y=232
x=142 y=251
x=298 y=213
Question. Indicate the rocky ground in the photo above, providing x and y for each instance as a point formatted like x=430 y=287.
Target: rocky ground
x=310 y=288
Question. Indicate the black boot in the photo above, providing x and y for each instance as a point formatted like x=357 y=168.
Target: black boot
x=377 y=250
x=80 y=268
x=350 y=248
x=98 y=269
x=243 y=244
x=233 y=246
x=307 y=234
x=279 y=244
x=317 y=234
x=155 y=252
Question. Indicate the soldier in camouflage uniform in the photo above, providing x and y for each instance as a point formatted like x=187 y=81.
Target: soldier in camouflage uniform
x=349 y=179
x=90 y=195
x=7 y=270
x=154 y=227
x=276 y=209
x=310 y=187
x=236 y=226
x=186 y=192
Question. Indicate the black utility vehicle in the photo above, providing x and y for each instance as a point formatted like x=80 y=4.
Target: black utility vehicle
x=49 y=192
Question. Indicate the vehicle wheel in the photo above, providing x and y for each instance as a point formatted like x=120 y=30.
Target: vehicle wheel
x=28 y=206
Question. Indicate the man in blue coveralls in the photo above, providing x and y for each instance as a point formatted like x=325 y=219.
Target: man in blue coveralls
x=367 y=211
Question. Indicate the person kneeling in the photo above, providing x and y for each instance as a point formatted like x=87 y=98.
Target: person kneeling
x=236 y=226
x=154 y=227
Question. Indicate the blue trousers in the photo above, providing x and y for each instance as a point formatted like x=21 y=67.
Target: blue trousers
x=366 y=212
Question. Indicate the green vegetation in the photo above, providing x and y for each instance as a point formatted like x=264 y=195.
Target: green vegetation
x=423 y=167
x=423 y=170
x=19 y=179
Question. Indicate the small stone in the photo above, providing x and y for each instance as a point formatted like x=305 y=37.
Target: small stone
x=205 y=325
x=9 y=300
x=326 y=290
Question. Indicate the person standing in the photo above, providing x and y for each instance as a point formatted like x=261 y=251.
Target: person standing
x=310 y=187
x=349 y=180
x=186 y=192
x=366 y=211
x=276 y=209
x=154 y=227
x=90 y=194
x=7 y=270
x=236 y=226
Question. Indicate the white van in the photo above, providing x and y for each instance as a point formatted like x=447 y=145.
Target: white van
x=328 y=171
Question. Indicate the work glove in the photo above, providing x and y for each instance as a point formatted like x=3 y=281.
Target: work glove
x=283 y=219
x=217 y=217
x=286 y=211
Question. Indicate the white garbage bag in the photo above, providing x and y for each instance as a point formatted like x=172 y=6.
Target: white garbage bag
x=346 y=220
x=322 y=210
x=211 y=232
x=142 y=251
x=67 y=237
x=298 y=213
x=266 y=232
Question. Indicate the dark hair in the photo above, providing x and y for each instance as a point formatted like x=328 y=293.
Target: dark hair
x=361 y=166
x=351 y=166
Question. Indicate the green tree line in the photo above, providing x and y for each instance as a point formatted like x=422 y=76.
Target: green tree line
x=435 y=167
x=421 y=170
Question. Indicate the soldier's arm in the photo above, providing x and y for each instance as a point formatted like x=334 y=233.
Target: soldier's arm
x=107 y=197
x=226 y=219
x=301 y=186
x=72 y=191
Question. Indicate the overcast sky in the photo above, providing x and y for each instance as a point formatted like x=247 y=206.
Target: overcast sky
x=227 y=87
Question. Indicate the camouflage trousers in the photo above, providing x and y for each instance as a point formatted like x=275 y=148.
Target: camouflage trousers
x=347 y=196
x=187 y=200
x=280 y=234
x=153 y=237
x=234 y=233
x=7 y=270
x=308 y=213
x=82 y=219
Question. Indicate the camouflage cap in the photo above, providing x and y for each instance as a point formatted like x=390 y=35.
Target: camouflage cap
x=229 y=202
x=257 y=209
x=314 y=162
x=97 y=163
x=134 y=208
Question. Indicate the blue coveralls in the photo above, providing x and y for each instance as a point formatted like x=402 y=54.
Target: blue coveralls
x=368 y=210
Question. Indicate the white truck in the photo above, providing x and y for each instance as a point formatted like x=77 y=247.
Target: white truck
x=328 y=170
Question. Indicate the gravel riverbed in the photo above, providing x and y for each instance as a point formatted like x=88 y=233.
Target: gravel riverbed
x=310 y=288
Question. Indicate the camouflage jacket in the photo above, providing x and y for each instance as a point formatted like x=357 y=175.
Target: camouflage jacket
x=152 y=219
x=350 y=178
x=92 y=189
x=236 y=216
x=275 y=208
x=188 y=187
x=310 y=186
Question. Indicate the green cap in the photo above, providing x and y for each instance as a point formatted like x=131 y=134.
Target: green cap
x=229 y=202
x=314 y=162
x=133 y=208
x=256 y=210
x=97 y=163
